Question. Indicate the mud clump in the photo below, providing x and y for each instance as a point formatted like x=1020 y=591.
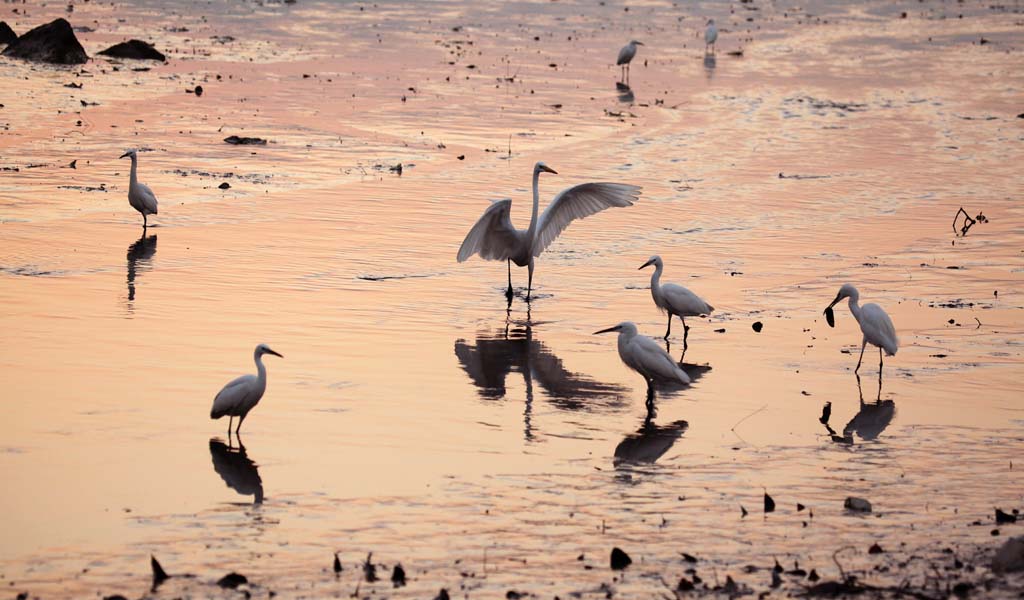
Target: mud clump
x=857 y=504
x=232 y=581
x=245 y=141
x=134 y=49
x=54 y=42
x=619 y=559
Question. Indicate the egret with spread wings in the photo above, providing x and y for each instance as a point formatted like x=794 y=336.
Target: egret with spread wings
x=494 y=237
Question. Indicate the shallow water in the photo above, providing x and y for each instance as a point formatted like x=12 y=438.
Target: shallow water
x=414 y=415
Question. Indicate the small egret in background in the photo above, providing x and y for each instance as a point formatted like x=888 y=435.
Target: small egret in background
x=626 y=56
x=244 y=393
x=874 y=323
x=646 y=357
x=494 y=237
x=675 y=299
x=140 y=196
x=710 y=35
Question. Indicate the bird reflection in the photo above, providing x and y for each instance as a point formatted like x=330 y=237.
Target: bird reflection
x=649 y=443
x=869 y=422
x=489 y=360
x=237 y=470
x=709 y=65
x=625 y=93
x=140 y=253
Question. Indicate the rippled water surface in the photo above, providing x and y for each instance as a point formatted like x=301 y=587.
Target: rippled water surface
x=415 y=415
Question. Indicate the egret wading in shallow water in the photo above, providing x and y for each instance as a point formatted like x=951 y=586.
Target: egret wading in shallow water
x=675 y=299
x=626 y=55
x=874 y=323
x=140 y=196
x=646 y=357
x=710 y=35
x=494 y=237
x=244 y=393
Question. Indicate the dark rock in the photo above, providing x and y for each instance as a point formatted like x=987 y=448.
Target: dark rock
x=769 y=504
x=245 y=141
x=799 y=507
x=115 y=597
x=875 y=549
x=7 y=34
x=743 y=511
x=620 y=560
x=963 y=588
x=689 y=558
x=224 y=186
x=461 y=157
x=337 y=563
x=1010 y=557
x=757 y=326
x=1002 y=517
x=514 y=595
x=833 y=589
x=857 y=504
x=159 y=575
x=813 y=575
x=198 y=91
x=685 y=585
x=232 y=581
x=136 y=49
x=830 y=316
x=54 y=42
x=398 y=576
x=369 y=569
x=442 y=595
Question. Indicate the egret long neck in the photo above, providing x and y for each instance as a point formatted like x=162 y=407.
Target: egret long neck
x=536 y=204
x=656 y=278
x=261 y=371
x=854 y=307
x=134 y=179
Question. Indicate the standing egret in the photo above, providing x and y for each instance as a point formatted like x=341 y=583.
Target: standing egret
x=675 y=299
x=494 y=237
x=874 y=323
x=140 y=196
x=244 y=393
x=646 y=357
x=710 y=35
x=626 y=55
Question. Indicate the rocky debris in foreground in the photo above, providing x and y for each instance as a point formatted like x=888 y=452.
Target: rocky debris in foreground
x=54 y=42
x=135 y=49
x=7 y=34
x=245 y=141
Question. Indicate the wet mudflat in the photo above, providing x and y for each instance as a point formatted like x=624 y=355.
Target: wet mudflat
x=492 y=449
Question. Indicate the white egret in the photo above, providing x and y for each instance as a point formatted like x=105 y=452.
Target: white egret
x=626 y=55
x=646 y=357
x=874 y=323
x=675 y=299
x=494 y=237
x=244 y=393
x=710 y=35
x=140 y=196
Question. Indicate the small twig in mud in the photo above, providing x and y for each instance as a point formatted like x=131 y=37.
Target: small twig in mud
x=968 y=221
x=510 y=145
x=979 y=323
x=835 y=559
x=747 y=417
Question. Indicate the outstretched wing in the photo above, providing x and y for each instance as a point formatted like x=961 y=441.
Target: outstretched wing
x=578 y=202
x=148 y=198
x=493 y=236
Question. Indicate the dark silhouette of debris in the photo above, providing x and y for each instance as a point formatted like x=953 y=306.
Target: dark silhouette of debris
x=232 y=581
x=461 y=157
x=442 y=595
x=743 y=511
x=620 y=560
x=398 y=576
x=54 y=42
x=369 y=569
x=159 y=575
x=813 y=575
x=799 y=507
x=1002 y=517
x=224 y=186
x=689 y=558
x=1010 y=556
x=74 y=164
x=684 y=585
x=337 y=563
x=875 y=549
x=198 y=91
x=245 y=141
x=7 y=34
x=735 y=53
x=758 y=326
x=134 y=49
x=115 y=597
x=857 y=504
x=396 y=169
x=769 y=504
x=830 y=316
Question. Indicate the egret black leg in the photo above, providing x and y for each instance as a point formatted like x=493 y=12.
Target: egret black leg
x=229 y=428
x=240 y=419
x=879 y=361
x=686 y=331
x=529 y=280
x=508 y=292
x=862 y=346
x=144 y=222
x=669 y=330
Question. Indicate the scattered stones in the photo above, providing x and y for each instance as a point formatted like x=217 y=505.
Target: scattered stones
x=159 y=575
x=54 y=42
x=198 y=91
x=620 y=560
x=224 y=186
x=684 y=585
x=232 y=580
x=757 y=326
x=134 y=49
x=1002 y=517
x=857 y=504
x=442 y=595
x=1010 y=557
x=7 y=34
x=245 y=141
x=769 y=504
x=875 y=549
x=337 y=563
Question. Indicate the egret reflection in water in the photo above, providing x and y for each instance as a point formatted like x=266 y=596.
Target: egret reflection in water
x=869 y=422
x=650 y=442
x=140 y=253
x=625 y=93
x=492 y=357
x=709 y=65
x=237 y=470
